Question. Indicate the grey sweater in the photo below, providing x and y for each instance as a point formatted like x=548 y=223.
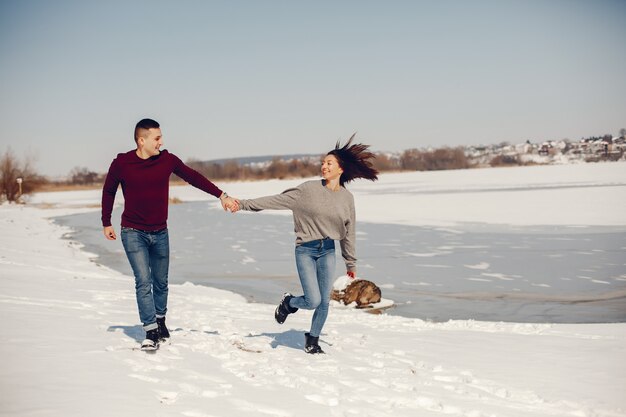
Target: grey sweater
x=317 y=213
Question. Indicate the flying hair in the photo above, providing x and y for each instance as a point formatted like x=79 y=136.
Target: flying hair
x=355 y=160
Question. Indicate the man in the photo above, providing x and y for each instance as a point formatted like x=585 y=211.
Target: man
x=144 y=174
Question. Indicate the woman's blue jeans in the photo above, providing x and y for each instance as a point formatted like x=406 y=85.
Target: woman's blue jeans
x=149 y=257
x=316 y=267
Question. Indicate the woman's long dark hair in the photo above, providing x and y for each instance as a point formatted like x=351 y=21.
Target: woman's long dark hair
x=355 y=160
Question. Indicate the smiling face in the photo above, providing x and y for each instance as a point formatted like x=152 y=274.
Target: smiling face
x=149 y=142
x=330 y=168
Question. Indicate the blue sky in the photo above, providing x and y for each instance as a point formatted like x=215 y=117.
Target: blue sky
x=242 y=78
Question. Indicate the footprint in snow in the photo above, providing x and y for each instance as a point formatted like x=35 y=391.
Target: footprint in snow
x=323 y=400
x=167 y=397
x=144 y=378
x=195 y=413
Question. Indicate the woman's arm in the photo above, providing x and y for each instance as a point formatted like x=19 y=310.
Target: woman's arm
x=283 y=201
x=348 y=249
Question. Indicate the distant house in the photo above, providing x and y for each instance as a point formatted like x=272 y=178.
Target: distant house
x=547 y=148
x=524 y=148
x=618 y=145
x=599 y=146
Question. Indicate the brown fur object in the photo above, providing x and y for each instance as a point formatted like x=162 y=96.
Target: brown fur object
x=361 y=291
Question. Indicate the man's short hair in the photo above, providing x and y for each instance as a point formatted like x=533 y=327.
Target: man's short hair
x=145 y=124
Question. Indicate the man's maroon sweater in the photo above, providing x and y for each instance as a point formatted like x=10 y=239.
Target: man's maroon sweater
x=145 y=184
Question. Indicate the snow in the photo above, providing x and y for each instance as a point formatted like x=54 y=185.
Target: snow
x=71 y=328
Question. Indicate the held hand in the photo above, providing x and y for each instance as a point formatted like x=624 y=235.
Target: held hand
x=230 y=204
x=226 y=201
x=236 y=205
x=351 y=274
x=109 y=233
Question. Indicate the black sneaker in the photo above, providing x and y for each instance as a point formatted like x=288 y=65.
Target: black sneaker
x=151 y=341
x=311 y=344
x=283 y=309
x=163 y=332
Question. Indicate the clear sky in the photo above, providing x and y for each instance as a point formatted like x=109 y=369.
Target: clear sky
x=242 y=78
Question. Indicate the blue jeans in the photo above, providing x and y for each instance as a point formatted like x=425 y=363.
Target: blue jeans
x=149 y=257
x=316 y=267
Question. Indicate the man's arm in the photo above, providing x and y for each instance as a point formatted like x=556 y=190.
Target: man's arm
x=108 y=198
x=199 y=181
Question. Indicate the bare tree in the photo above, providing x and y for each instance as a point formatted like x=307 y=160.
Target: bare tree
x=12 y=169
x=384 y=163
x=410 y=160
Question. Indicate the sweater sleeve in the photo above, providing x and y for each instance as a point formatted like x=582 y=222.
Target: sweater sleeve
x=348 y=243
x=283 y=201
x=109 y=190
x=194 y=178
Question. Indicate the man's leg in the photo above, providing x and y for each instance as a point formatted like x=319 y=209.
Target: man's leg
x=136 y=245
x=159 y=266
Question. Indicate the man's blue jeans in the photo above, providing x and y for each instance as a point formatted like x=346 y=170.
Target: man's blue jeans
x=149 y=257
x=316 y=267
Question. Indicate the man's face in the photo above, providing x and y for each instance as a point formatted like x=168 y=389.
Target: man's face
x=151 y=142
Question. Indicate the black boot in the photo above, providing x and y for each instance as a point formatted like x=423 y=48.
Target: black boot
x=151 y=341
x=163 y=332
x=311 y=344
x=283 y=309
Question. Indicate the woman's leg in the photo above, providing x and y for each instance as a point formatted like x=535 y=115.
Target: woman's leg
x=307 y=271
x=325 y=268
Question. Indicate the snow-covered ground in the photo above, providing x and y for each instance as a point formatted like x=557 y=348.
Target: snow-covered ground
x=71 y=326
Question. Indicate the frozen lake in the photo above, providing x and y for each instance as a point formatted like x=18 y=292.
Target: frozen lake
x=556 y=274
x=521 y=244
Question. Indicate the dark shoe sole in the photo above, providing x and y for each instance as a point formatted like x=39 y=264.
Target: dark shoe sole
x=277 y=316
x=313 y=349
x=149 y=348
x=286 y=308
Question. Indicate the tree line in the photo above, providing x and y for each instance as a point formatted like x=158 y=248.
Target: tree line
x=409 y=160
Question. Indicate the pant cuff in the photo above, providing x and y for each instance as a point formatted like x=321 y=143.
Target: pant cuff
x=150 y=326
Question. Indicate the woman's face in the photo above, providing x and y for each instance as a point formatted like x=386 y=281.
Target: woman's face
x=330 y=168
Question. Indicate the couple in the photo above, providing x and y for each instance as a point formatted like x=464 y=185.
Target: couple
x=323 y=211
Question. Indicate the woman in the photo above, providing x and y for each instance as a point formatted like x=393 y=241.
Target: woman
x=323 y=211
